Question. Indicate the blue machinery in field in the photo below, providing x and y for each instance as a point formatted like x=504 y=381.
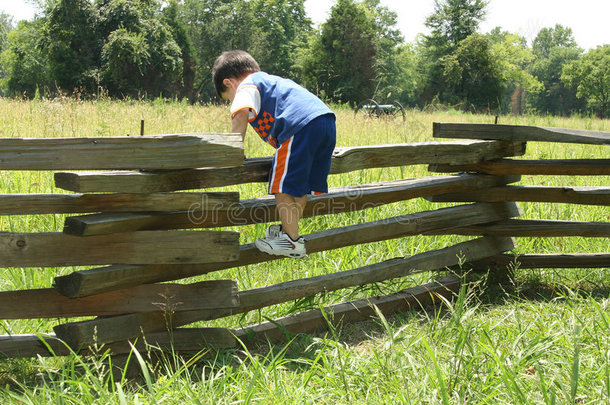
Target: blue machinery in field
x=135 y=232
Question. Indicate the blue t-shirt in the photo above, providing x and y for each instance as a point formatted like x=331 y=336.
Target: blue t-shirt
x=279 y=107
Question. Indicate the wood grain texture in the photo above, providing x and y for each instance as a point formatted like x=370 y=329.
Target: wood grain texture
x=118 y=328
x=109 y=153
x=414 y=298
x=94 y=281
x=547 y=261
x=257 y=170
x=31 y=345
x=519 y=133
x=122 y=327
x=440 y=259
x=48 y=303
x=28 y=204
x=261 y=210
x=533 y=227
x=187 y=340
x=99 y=331
x=556 y=167
x=110 y=329
x=348 y=159
x=567 y=195
x=253 y=170
x=146 y=247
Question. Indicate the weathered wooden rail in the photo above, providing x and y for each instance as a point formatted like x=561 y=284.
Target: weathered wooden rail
x=143 y=232
x=143 y=152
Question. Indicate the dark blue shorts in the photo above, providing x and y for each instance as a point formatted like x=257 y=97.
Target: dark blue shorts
x=301 y=164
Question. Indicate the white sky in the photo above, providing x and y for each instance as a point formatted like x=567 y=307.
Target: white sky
x=587 y=18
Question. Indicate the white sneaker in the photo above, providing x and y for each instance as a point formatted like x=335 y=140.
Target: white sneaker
x=273 y=231
x=283 y=245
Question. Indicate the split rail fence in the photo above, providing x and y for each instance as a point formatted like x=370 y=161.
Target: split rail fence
x=144 y=232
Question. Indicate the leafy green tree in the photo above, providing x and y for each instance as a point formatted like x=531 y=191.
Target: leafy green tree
x=404 y=81
x=451 y=22
x=180 y=34
x=474 y=74
x=164 y=74
x=215 y=26
x=126 y=60
x=127 y=46
x=282 y=28
x=341 y=63
x=273 y=31
x=590 y=75
x=515 y=59
x=115 y=14
x=139 y=54
x=390 y=56
x=70 y=43
x=549 y=38
x=554 y=48
x=6 y=25
x=555 y=97
x=25 y=65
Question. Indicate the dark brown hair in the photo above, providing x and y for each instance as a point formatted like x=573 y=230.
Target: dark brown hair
x=232 y=64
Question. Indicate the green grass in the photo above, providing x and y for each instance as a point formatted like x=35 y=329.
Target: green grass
x=545 y=340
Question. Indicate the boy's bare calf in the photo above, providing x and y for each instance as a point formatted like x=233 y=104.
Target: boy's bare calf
x=290 y=210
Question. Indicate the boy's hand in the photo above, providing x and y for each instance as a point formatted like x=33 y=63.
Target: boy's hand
x=240 y=122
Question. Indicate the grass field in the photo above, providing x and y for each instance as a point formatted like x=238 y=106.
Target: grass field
x=543 y=340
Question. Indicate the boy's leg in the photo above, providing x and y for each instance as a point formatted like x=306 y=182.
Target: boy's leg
x=291 y=175
x=287 y=242
x=290 y=210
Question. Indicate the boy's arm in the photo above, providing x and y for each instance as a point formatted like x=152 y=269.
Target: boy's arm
x=240 y=122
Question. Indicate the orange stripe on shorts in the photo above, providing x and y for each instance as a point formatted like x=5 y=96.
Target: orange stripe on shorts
x=280 y=166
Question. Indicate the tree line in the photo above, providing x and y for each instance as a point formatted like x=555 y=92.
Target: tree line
x=154 y=48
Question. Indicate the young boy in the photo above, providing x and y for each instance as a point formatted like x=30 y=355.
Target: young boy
x=297 y=124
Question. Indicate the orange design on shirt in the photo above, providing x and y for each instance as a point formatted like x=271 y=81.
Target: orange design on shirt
x=263 y=125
